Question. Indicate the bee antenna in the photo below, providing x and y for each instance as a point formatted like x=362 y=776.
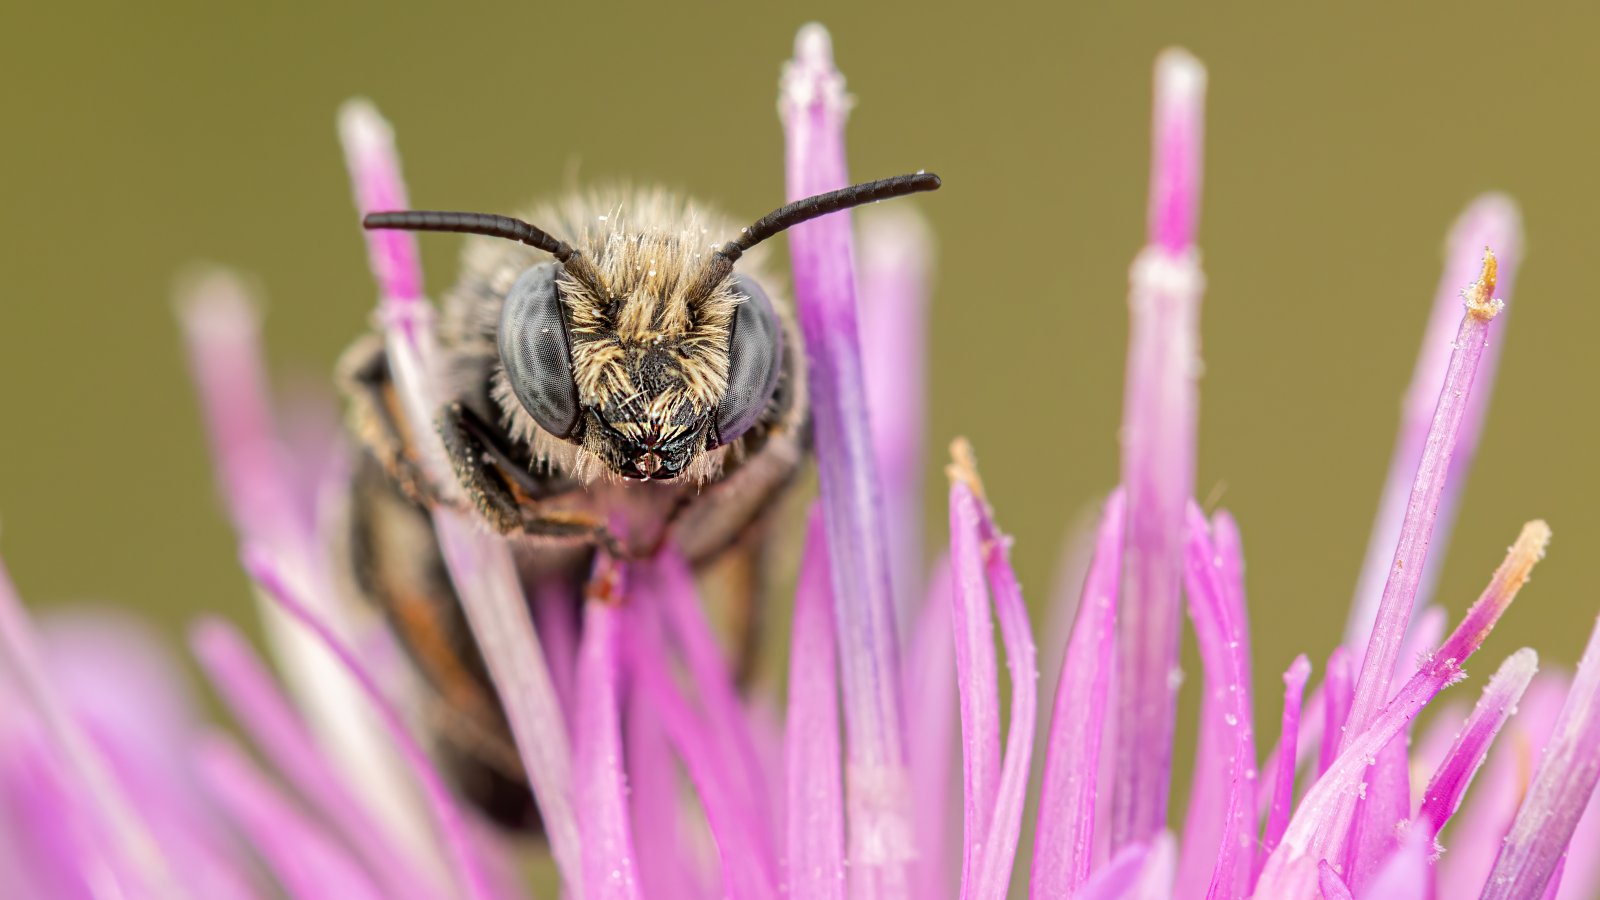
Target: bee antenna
x=785 y=217
x=488 y=226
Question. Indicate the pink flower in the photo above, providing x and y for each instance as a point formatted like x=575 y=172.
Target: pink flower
x=655 y=776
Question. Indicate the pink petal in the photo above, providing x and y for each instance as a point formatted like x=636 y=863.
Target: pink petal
x=978 y=555
x=221 y=324
x=1387 y=803
x=1064 y=835
x=276 y=728
x=815 y=803
x=1005 y=825
x=895 y=262
x=932 y=700
x=1294 y=686
x=1338 y=688
x=665 y=856
x=667 y=581
x=274 y=501
x=1320 y=826
x=813 y=107
x=1416 y=529
x=480 y=565
x=1333 y=887
x=1158 y=452
x=748 y=864
x=379 y=187
x=1476 y=832
x=1385 y=807
x=309 y=863
x=1405 y=872
x=129 y=848
x=447 y=815
x=600 y=782
x=1429 y=750
x=1219 y=826
x=555 y=618
x=1116 y=879
x=1155 y=878
x=977 y=673
x=1562 y=784
x=1491 y=220
x=1179 y=142
x=1580 y=873
x=1449 y=783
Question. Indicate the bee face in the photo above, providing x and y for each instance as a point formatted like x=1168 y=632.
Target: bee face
x=645 y=370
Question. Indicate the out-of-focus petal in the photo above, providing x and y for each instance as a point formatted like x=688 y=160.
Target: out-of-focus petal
x=123 y=845
x=1115 y=879
x=1155 y=877
x=272 y=505
x=309 y=862
x=1562 y=784
x=815 y=861
x=1064 y=834
x=448 y=818
x=932 y=701
x=1404 y=873
x=277 y=729
x=1160 y=414
x=896 y=253
x=1580 y=873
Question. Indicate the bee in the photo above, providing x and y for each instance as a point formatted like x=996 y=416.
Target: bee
x=612 y=383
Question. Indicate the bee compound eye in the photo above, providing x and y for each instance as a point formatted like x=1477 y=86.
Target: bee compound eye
x=755 y=359
x=534 y=349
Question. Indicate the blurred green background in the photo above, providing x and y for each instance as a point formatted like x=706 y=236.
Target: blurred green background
x=1340 y=146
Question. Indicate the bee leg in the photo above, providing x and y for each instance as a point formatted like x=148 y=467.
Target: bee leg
x=503 y=487
x=375 y=415
x=480 y=468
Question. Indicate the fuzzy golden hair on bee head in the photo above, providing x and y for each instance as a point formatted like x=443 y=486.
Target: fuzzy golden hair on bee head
x=647 y=327
x=649 y=346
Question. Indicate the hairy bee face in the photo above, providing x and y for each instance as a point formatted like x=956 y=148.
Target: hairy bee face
x=645 y=376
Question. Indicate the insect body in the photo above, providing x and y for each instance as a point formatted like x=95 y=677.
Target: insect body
x=614 y=386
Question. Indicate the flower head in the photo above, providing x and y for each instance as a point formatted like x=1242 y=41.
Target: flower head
x=656 y=775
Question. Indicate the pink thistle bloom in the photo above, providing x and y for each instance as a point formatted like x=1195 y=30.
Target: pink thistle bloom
x=657 y=776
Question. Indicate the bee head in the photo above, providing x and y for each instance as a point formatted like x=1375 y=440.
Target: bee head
x=645 y=354
x=644 y=380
